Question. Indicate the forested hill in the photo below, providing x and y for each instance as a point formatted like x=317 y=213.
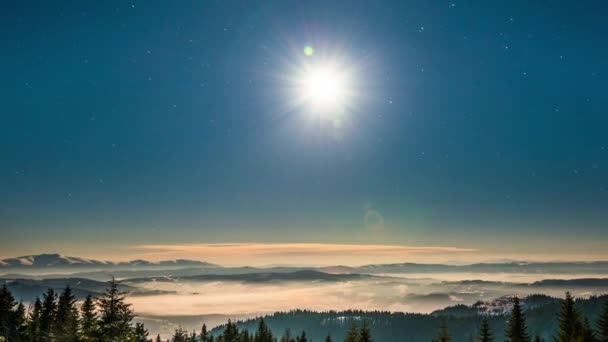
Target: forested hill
x=541 y=317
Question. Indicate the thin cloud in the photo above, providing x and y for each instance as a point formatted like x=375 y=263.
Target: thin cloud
x=310 y=253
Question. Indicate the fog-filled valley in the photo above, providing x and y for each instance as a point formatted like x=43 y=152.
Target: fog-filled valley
x=184 y=296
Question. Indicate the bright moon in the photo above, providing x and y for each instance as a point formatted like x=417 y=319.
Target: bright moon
x=324 y=87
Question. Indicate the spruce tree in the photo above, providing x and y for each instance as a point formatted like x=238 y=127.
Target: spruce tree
x=7 y=303
x=353 y=334
x=140 y=333
x=328 y=338
x=231 y=333
x=443 y=335
x=587 y=333
x=33 y=325
x=115 y=315
x=516 y=330
x=287 y=336
x=570 y=325
x=158 y=338
x=20 y=323
x=244 y=336
x=180 y=335
x=204 y=334
x=302 y=337
x=48 y=315
x=88 y=320
x=263 y=334
x=365 y=334
x=66 y=320
x=602 y=324
x=485 y=333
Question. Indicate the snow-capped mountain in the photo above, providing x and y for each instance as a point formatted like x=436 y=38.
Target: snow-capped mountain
x=61 y=261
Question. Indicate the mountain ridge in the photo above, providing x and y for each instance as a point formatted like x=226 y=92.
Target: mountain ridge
x=56 y=260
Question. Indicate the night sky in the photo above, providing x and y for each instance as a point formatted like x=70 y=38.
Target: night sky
x=479 y=125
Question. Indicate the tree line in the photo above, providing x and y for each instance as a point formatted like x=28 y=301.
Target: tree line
x=573 y=326
x=231 y=333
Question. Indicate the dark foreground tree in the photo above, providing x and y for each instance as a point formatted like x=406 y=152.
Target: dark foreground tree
x=287 y=336
x=48 y=315
x=365 y=334
x=570 y=325
x=11 y=318
x=180 y=335
x=443 y=335
x=20 y=324
x=66 y=322
x=587 y=333
x=516 y=330
x=353 y=334
x=204 y=334
x=140 y=333
x=115 y=316
x=33 y=326
x=88 y=320
x=231 y=333
x=263 y=334
x=485 y=333
x=602 y=324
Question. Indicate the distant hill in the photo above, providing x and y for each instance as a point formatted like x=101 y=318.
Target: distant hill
x=28 y=289
x=42 y=262
x=58 y=261
x=541 y=316
x=600 y=267
x=572 y=283
x=261 y=277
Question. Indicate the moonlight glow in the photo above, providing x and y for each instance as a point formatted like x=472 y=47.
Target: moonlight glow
x=324 y=88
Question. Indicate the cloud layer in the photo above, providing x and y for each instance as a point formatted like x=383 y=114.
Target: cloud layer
x=293 y=253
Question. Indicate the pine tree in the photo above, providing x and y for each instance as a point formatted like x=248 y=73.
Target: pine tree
x=570 y=325
x=352 y=335
x=263 y=334
x=115 y=315
x=7 y=303
x=485 y=333
x=287 y=336
x=602 y=324
x=88 y=320
x=180 y=335
x=516 y=330
x=244 y=336
x=365 y=334
x=33 y=325
x=587 y=333
x=140 y=333
x=204 y=334
x=20 y=323
x=443 y=335
x=48 y=315
x=231 y=333
x=66 y=320
x=328 y=338
x=302 y=337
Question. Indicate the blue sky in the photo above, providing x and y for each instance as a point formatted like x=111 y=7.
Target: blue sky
x=473 y=125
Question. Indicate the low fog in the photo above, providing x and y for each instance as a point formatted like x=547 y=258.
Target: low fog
x=416 y=293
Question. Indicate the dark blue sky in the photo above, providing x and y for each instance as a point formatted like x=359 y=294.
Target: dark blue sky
x=476 y=124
